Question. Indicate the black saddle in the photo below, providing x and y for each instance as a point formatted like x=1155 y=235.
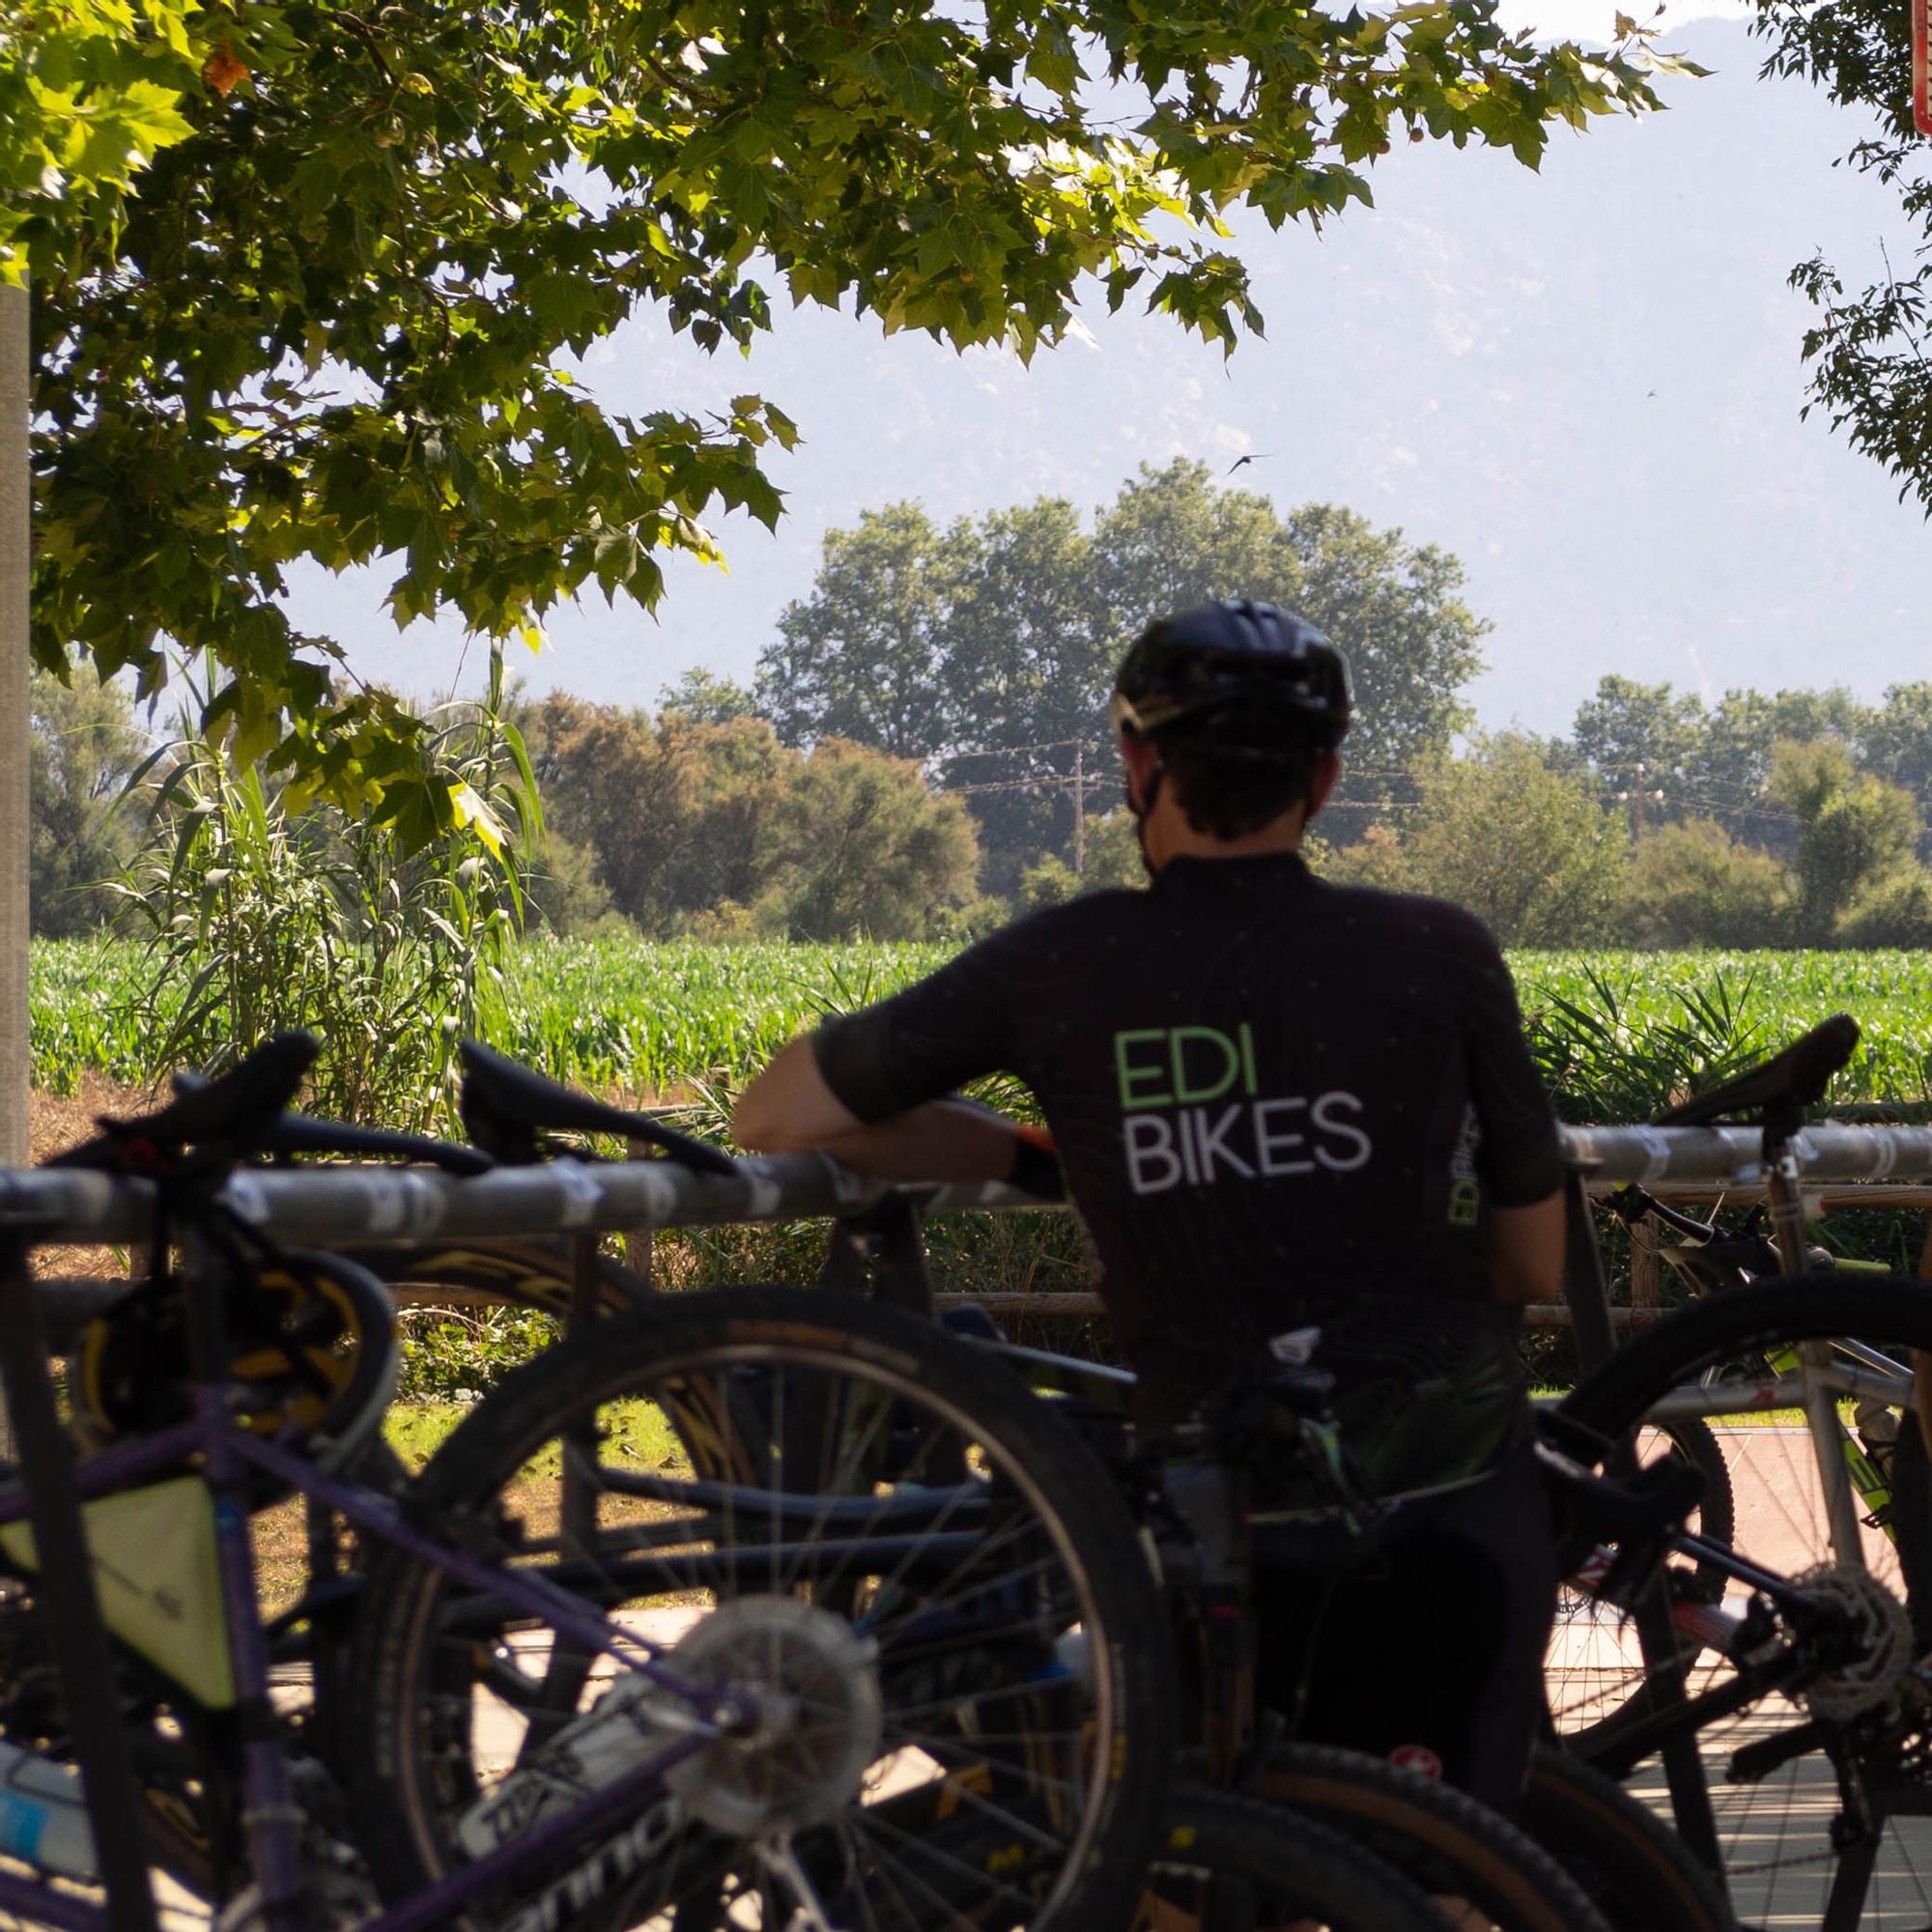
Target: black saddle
x=244 y=1114
x=507 y=1110
x=1784 y=1085
x=237 y=1110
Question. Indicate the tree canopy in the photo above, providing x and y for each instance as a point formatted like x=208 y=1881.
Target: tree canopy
x=989 y=647
x=329 y=318
x=1868 y=368
x=679 y=823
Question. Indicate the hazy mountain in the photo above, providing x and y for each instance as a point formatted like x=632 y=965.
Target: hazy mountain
x=1587 y=383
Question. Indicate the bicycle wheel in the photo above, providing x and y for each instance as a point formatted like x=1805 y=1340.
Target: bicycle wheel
x=1582 y=1696
x=1234 y=1866
x=531 y=1272
x=895 y=1590
x=1638 y=1872
x=1438 y=1839
x=1822 y=1786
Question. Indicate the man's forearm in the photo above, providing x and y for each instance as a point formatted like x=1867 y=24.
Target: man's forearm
x=943 y=1139
x=1526 y=1251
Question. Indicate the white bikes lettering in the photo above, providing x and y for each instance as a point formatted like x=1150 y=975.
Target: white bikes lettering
x=1290 y=1135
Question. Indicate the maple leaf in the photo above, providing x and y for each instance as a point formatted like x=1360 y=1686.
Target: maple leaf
x=222 y=68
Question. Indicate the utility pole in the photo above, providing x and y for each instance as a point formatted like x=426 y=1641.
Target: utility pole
x=1639 y=800
x=1079 y=811
x=15 y=501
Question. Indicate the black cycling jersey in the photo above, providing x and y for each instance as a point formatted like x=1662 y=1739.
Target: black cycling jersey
x=1272 y=1096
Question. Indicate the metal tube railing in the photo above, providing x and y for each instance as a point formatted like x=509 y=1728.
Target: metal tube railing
x=359 y=1204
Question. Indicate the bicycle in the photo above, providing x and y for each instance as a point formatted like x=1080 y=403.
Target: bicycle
x=666 y=1756
x=1587 y=1853
x=1632 y=1868
x=1797 y=1684
x=1708 y=1261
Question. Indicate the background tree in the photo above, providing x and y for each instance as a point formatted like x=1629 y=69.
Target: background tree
x=708 y=698
x=86 y=746
x=1894 y=909
x=1528 y=850
x=1113 y=864
x=1898 y=740
x=1629 y=728
x=1028 y=654
x=1856 y=833
x=1691 y=884
x=679 y=826
x=328 y=321
x=864 y=656
x=996 y=642
x=1396 y=609
x=1175 y=536
x=864 y=849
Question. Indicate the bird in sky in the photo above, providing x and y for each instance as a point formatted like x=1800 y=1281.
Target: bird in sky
x=1253 y=456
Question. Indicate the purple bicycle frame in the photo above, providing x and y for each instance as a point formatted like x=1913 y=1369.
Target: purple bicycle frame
x=269 y=1808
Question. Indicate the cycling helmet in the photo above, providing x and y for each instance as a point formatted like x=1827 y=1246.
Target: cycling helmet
x=1253 y=670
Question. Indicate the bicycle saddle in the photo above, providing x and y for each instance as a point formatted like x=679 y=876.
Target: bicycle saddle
x=239 y=1108
x=1795 y=1078
x=507 y=1108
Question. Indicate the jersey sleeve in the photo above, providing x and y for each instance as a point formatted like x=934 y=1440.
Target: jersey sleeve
x=1519 y=1156
x=951 y=1027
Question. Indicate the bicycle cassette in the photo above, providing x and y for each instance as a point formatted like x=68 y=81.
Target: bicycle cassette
x=1884 y=1630
x=312 y=1356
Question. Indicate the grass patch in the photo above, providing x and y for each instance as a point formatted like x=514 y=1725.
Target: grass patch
x=634 y=1430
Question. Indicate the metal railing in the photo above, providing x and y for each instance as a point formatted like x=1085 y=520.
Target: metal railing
x=336 y=1206
x=360 y=1204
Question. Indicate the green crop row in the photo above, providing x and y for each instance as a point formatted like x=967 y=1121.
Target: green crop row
x=661 y=1020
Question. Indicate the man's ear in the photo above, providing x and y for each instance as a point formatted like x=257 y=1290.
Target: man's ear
x=1322 y=780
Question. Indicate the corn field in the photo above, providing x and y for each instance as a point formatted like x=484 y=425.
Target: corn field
x=1619 y=1033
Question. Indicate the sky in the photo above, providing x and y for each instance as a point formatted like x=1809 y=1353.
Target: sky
x=1585 y=382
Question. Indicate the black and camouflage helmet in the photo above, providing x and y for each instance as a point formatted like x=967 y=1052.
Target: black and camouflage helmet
x=1251 y=671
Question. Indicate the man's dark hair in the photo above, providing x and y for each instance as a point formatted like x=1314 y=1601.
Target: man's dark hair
x=1227 y=788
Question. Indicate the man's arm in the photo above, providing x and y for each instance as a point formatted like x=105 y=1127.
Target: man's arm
x=789 y=1109
x=1526 y=1251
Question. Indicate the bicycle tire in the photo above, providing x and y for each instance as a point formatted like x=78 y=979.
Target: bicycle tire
x=537 y=1273
x=1779 y=1765
x=1438 y=1839
x=410 y=1796
x=1638 y=1873
x=1237 y=1865
x=1577 y=1720
x=524 y=1271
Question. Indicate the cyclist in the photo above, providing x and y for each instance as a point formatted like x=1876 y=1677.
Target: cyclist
x=1297 y=1119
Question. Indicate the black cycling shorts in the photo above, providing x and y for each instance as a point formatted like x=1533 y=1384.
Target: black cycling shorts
x=1433 y=1648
